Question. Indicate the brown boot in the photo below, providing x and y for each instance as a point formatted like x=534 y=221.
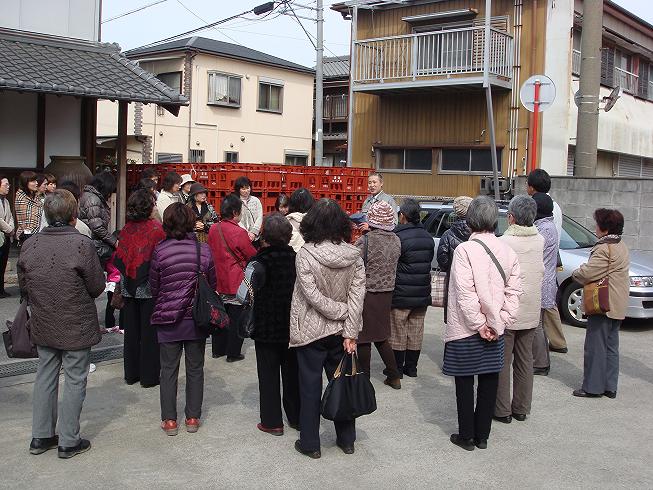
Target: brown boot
x=393 y=383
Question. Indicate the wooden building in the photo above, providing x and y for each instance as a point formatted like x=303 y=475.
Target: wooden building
x=419 y=111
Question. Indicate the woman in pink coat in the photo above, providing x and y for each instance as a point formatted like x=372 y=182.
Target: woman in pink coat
x=484 y=291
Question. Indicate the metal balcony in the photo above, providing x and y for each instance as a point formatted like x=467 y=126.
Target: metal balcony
x=434 y=59
x=626 y=80
x=336 y=107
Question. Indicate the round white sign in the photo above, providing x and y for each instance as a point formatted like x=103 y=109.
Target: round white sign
x=547 y=93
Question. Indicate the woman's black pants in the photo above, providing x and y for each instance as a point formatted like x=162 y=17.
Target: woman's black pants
x=276 y=363
x=141 y=345
x=476 y=423
x=227 y=340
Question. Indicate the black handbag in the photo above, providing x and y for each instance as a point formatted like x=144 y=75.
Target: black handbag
x=348 y=394
x=209 y=312
x=17 y=339
x=246 y=318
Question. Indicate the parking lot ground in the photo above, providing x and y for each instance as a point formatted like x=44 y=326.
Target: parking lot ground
x=566 y=442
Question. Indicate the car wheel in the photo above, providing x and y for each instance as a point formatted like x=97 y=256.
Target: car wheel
x=571 y=305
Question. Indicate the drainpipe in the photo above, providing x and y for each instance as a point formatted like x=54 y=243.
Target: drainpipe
x=188 y=68
x=488 y=97
x=352 y=62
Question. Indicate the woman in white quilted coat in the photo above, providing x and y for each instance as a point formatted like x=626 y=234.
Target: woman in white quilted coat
x=326 y=315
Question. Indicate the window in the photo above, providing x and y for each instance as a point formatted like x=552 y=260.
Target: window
x=196 y=156
x=224 y=89
x=169 y=158
x=470 y=160
x=416 y=160
x=633 y=166
x=231 y=157
x=172 y=80
x=296 y=158
x=270 y=95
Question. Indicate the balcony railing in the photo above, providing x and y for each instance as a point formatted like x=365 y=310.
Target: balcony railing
x=575 y=62
x=448 y=53
x=336 y=106
x=626 y=80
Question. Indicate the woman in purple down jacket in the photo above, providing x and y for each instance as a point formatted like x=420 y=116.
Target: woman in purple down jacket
x=173 y=277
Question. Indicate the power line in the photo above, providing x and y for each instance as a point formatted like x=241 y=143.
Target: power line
x=311 y=37
x=125 y=14
x=214 y=28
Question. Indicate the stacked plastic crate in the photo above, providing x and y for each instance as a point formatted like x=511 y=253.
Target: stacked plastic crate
x=348 y=186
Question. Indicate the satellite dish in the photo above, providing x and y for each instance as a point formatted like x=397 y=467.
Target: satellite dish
x=611 y=99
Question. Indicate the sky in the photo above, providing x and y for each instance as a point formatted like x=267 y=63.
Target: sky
x=278 y=35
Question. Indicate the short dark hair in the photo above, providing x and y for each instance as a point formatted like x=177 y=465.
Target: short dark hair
x=376 y=174
x=60 y=207
x=610 y=220
x=170 y=180
x=25 y=178
x=539 y=180
x=276 y=230
x=105 y=183
x=71 y=187
x=51 y=178
x=230 y=206
x=240 y=183
x=282 y=201
x=40 y=178
x=178 y=220
x=149 y=172
x=301 y=201
x=326 y=221
x=147 y=184
x=411 y=210
x=140 y=205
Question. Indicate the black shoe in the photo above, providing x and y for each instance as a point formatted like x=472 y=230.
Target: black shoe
x=217 y=356
x=610 y=394
x=480 y=443
x=43 y=444
x=562 y=350
x=584 y=394
x=294 y=426
x=390 y=374
x=347 y=449
x=310 y=454
x=149 y=385
x=411 y=373
x=68 y=452
x=466 y=444
x=237 y=358
x=505 y=420
x=131 y=382
x=541 y=371
x=519 y=416
x=4 y=294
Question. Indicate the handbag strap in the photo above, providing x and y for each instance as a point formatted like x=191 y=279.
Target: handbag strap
x=199 y=263
x=231 y=252
x=365 y=247
x=494 y=259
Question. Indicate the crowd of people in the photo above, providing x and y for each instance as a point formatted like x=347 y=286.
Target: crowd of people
x=313 y=295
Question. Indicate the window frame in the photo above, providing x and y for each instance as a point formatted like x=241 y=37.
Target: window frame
x=179 y=74
x=296 y=154
x=196 y=152
x=470 y=171
x=270 y=82
x=226 y=160
x=379 y=155
x=211 y=97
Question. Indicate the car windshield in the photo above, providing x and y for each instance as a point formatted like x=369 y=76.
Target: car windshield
x=575 y=236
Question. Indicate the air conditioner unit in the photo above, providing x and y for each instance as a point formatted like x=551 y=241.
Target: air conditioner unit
x=487 y=185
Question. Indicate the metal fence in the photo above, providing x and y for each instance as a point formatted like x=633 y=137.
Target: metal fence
x=336 y=106
x=626 y=80
x=447 y=52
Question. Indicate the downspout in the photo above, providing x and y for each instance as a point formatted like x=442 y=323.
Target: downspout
x=514 y=104
x=533 y=67
x=188 y=84
x=352 y=62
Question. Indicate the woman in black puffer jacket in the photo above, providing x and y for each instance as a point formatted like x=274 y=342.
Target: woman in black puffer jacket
x=94 y=210
x=458 y=233
x=412 y=294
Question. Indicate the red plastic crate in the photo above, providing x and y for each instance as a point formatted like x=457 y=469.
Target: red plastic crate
x=273 y=181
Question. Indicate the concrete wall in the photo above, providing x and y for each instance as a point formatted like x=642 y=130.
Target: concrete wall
x=579 y=197
x=78 y=19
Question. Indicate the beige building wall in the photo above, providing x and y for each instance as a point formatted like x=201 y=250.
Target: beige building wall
x=258 y=137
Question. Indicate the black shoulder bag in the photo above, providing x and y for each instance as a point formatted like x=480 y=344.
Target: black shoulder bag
x=208 y=309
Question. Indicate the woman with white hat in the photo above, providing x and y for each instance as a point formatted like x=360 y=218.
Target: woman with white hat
x=186 y=183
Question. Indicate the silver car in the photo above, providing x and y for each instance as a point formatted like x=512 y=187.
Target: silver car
x=575 y=245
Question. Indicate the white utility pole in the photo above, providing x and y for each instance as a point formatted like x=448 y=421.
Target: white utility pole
x=319 y=92
x=352 y=64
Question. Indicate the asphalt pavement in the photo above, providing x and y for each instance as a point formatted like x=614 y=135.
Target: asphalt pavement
x=566 y=442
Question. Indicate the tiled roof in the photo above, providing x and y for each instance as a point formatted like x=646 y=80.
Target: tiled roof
x=46 y=64
x=219 y=48
x=336 y=67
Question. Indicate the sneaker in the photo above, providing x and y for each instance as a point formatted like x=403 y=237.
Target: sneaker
x=170 y=427
x=68 y=452
x=91 y=368
x=41 y=445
